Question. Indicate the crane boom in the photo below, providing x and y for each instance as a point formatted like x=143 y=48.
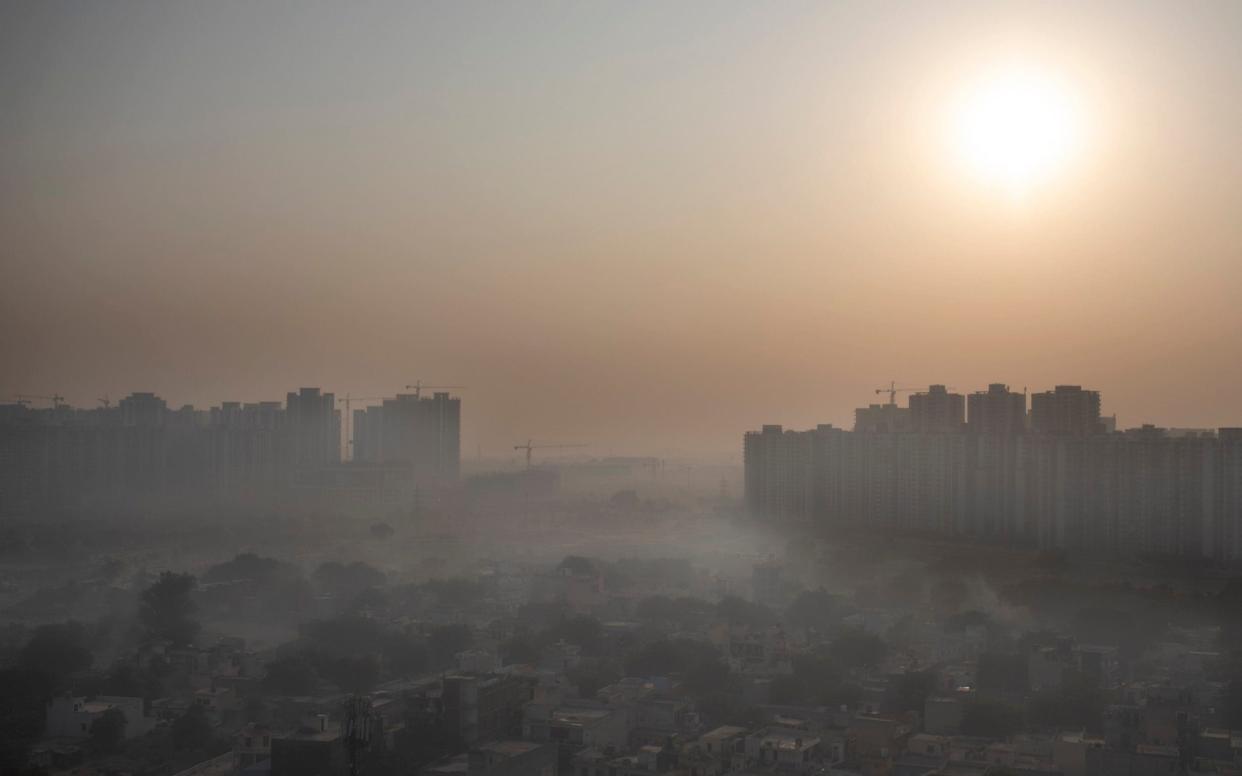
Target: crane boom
x=418 y=388
x=530 y=445
x=24 y=398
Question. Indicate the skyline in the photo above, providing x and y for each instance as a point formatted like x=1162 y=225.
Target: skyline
x=637 y=226
x=348 y=408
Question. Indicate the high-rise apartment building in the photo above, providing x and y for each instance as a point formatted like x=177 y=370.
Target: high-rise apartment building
x=937 y=411
x=142 y=410
x=884 y=418
x=1142 y=491
x=419 y=431
x=1067 y=410
x=997 y=411
x=314 y=426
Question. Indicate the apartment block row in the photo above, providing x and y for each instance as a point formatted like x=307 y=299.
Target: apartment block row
x=142 y=451
x=1056 y=477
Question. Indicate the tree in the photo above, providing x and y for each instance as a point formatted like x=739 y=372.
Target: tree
x=290 y=675
x=912 y=689
x=786 y=689
x=108 y=731
x=519 y=650
x=991 y=719
x=684 y=612
x=347 y=580
x=1001 y=671
x=166 y=610
x=57 y=650
x=726 y=708
x=590 y=676
x=699 y=664
x=446 y=641
x=248 y=567
x=581 y=630
x=855 y=649
x=1078 y=703
x=812 y=609
x=353 y=673
x=576 y=564
x=1233 y=703
x=126 y=679
x=739 y=611
x=192 y=730
x=456 y=592
x=23 y=695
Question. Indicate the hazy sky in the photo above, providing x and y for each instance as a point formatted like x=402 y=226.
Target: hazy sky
x=646 y=226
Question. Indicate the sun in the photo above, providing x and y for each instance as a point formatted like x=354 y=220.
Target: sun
x=1016 y=128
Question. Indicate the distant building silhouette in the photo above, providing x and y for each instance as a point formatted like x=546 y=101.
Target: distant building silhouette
x=315 y=425
x=423 y=433
x=144 y=410
x=1067 y=410
x=1065 y=484
x=140 y=451
x=937 y=410
x=887 y=418
x=997 y=410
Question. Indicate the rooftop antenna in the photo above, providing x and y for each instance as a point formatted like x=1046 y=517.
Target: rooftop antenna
x=358 y=729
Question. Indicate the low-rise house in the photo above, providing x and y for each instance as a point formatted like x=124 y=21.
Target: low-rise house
x=69 y=716
x=646 y=761
x=784 y=749
x=1069 y=752
x=576 y=726
x=316 y=749
x=942 y=714
x=513 y=758
x=252 y=745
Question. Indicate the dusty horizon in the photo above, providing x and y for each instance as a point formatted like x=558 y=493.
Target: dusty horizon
x=640 y=227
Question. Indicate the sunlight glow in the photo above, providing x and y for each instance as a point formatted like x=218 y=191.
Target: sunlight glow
x=1017 y=128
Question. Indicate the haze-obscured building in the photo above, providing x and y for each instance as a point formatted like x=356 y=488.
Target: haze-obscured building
x=1065 y=484
x=420 y=432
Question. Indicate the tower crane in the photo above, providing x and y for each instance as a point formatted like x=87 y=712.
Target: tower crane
x=349 y=418
x=892 y=390
x=418 y=387
x=56 y=399
x=529 y=446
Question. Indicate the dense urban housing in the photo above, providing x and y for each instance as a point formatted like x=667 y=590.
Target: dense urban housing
x=1058 y=476
x=141 y=451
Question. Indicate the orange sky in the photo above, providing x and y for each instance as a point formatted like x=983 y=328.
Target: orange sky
x=644 y=226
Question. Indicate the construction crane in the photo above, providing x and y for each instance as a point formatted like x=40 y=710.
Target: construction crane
x=892 y=390
x=418 y=388
x=349 y=417
x=56 y=399
x=529 y=446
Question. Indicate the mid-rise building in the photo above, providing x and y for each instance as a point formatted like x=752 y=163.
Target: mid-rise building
x=1068 y=486
x=997 y=411
x=937 y=411
x=1067 y=410
x=423 y=433
x=315 y=427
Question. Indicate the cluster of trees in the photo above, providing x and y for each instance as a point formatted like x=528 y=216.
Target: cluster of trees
x=825 y=678
x=356 y=653
x=58 y=657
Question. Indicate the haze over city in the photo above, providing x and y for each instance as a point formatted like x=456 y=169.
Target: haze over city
x=620 y=388
x=640 y=225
